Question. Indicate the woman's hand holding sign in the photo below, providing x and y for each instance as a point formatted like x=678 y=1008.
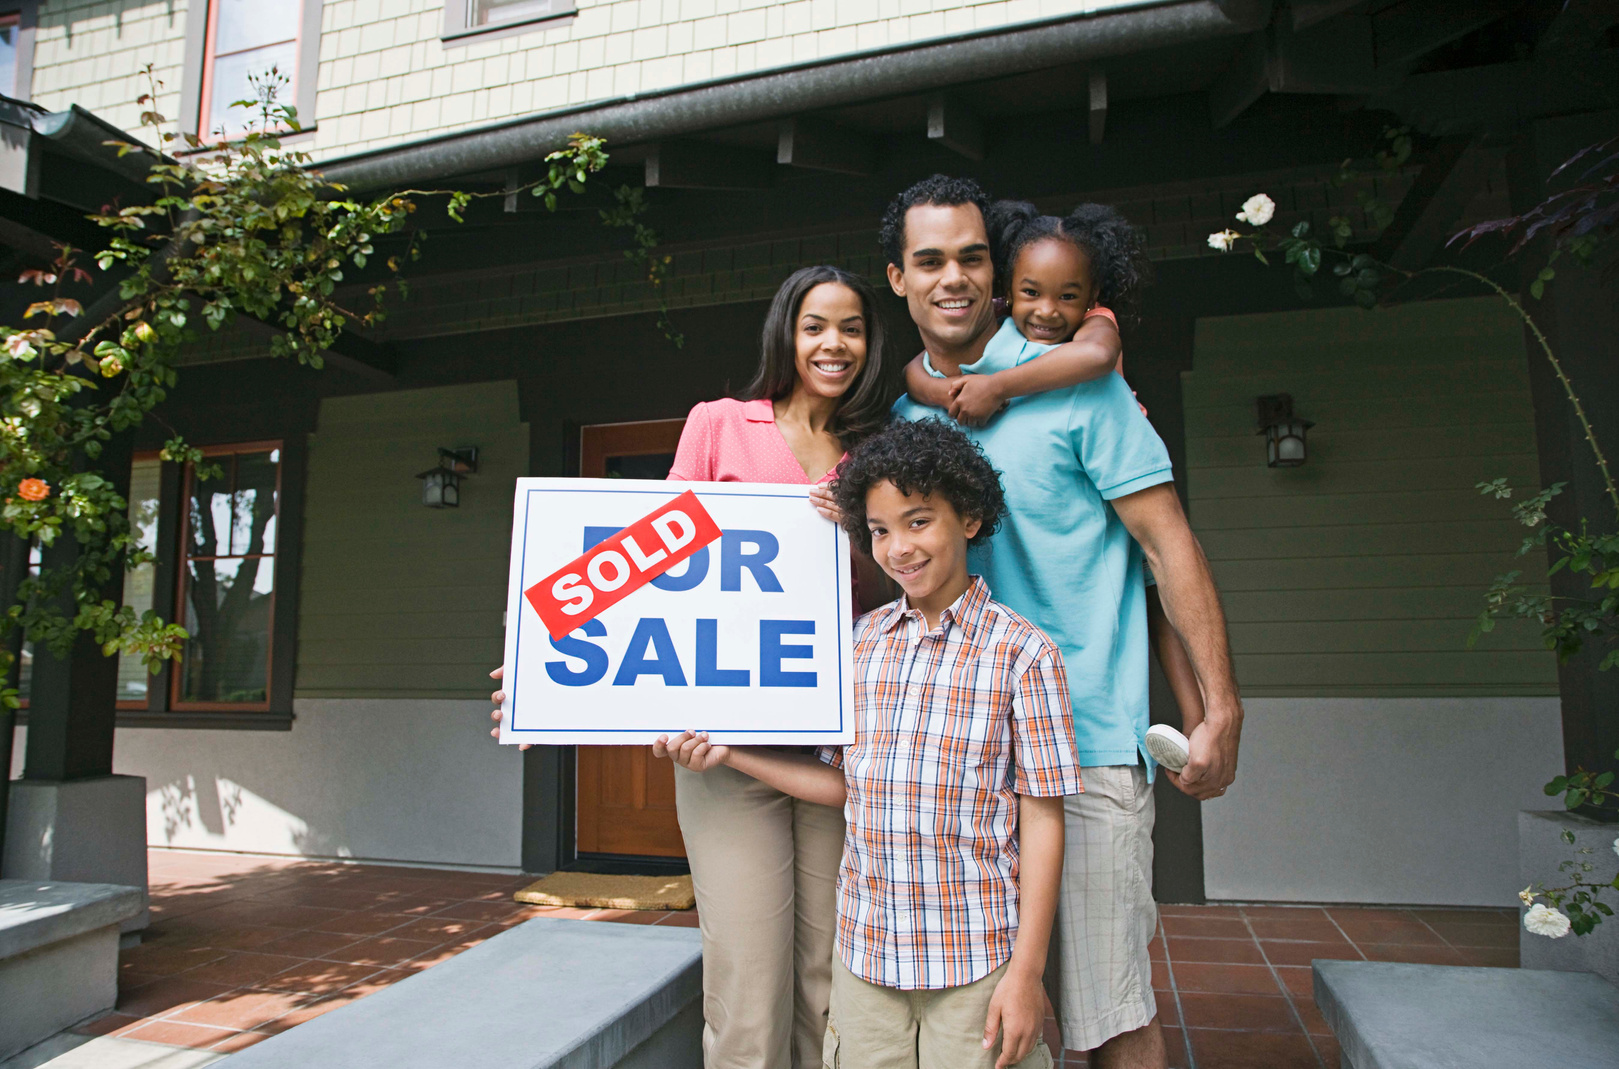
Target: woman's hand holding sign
x=499 y=698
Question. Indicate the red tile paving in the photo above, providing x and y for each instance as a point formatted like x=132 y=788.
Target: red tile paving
x=243 y=948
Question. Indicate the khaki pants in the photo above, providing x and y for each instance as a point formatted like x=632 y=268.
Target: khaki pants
x=875 y=1027
x=1098 y=973
x=764 y=867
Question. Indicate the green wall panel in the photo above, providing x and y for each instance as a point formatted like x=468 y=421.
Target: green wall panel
x=399 y=600
x=1360 y=572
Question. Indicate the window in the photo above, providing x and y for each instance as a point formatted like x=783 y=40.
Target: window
x=133 y=680
x=227 y=579
x=145 y=481
x=246 y=38
x=465 y=18
x=17 y=21
x=10 y=31
x=229 y=42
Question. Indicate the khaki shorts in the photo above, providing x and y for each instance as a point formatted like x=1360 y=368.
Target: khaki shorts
x=1098 y=973
x=874 y=1027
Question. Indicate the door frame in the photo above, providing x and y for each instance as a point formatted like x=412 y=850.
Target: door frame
x=587 y=458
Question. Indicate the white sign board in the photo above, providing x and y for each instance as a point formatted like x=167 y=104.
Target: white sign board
x=749 y=639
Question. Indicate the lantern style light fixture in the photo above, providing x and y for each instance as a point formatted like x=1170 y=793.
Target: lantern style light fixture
x=1284 y=432
x=441 y=486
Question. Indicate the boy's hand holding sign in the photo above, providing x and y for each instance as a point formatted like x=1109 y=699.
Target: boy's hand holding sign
x=636 y=609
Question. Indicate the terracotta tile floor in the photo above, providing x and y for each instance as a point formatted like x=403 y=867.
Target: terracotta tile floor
x=242 y=948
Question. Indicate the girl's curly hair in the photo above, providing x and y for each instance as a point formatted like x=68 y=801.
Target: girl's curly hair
x=928 y=457
x=1117 y=250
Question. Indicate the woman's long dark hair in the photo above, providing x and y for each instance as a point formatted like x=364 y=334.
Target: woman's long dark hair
x=864 y=408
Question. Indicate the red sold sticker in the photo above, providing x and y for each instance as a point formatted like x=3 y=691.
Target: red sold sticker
x=607 y=574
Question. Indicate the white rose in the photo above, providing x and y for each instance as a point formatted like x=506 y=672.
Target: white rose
x=1224 y=240
x=1527 y=895
x=1257 y=210
x=1616 y=846
x=1547 y=922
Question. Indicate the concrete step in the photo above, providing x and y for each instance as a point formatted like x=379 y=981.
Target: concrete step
x=58 y=955
x=547 y=994
x=1390 y=1016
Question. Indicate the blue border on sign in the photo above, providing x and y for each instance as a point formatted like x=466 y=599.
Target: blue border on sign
x=522 y=584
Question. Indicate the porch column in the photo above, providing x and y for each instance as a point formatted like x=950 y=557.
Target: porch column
x=69 y=817
x=1580 y=318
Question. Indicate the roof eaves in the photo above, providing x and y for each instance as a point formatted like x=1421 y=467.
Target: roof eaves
x=1129 y=26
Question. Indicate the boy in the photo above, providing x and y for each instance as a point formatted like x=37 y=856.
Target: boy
x=953 y=786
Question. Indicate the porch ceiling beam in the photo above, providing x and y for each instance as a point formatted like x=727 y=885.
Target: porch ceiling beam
x=1578 y=27
x=1307 y=13
x=820 y=145
x=519 y=200
x=703 y=165
x=1098 y=99
x=1334 y=60
x=1404 y=32
x=1504 y=94
x=369 y=360
x=1455 y=171
x=953 y=125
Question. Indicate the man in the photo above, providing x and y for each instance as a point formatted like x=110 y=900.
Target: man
x=1089 y=494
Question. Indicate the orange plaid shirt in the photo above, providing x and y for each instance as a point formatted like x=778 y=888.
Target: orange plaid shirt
x=951 y=725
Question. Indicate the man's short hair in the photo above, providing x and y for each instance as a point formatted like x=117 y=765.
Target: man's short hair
x=942 y=190
x=927 y=457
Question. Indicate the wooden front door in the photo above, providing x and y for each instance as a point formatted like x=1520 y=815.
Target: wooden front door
x=626 y=797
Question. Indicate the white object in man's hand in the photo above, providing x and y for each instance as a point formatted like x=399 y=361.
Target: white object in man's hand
x=1168 y=747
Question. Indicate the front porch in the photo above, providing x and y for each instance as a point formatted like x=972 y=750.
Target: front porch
x=242 y=948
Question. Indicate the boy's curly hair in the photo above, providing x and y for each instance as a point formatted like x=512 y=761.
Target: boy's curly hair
x=928 y=457
x=1117 y=250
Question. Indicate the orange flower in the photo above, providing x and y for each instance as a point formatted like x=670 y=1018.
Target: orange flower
x=33 y=489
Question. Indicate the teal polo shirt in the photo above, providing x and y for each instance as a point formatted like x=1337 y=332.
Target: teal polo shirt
x=1062 y=558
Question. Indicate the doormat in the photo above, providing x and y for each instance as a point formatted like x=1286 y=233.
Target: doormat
x=609 y=892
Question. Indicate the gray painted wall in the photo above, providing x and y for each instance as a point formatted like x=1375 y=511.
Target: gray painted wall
x=1405 y=800
x=370 y=779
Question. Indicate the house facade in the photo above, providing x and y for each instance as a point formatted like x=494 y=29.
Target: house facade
x=332 y=702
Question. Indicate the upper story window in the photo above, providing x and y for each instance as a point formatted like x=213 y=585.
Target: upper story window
x=463 y=18
x=227 y=579
x=10 y=31
x=246 y=39
x=228 y=43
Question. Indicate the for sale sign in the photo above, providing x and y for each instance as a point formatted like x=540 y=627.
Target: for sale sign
x=640 y=608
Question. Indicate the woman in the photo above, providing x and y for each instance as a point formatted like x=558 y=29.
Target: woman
x=764 y=865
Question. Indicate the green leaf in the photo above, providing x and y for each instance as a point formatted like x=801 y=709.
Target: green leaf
x=1260 y=256
x=1310 y=260
x=1301 y=228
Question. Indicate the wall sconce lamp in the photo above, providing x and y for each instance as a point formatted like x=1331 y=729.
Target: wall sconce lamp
x=1284 y=432
x=441 y=486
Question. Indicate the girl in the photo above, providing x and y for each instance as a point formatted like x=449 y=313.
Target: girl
x=1060 y=278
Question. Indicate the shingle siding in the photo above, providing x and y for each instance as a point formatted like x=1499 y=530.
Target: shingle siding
x=386 y=77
